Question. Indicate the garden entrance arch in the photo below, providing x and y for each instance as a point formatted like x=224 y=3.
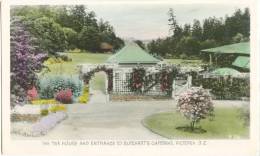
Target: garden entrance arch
x=88 y=71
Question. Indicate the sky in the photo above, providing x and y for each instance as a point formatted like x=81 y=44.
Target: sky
x=150 y=21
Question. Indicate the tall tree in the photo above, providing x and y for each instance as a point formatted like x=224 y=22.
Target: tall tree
x=210 y=33
x=187 y=30
x=197 y=30
x=172 y=20
x=89 y=39
x=78 y=17
x=50 y=35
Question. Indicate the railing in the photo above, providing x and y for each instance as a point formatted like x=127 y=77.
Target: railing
x=178 y=89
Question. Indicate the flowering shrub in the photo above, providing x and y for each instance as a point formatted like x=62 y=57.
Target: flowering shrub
x=85 y=95
x=26 y=61
x=56 y=108
x=137 y=79
x=32 y=94
x=44 y=112
x=64 y=96
x=44 y=101
x=53 y=60
x=195 y=104
x=57 y=59
x=51 y=85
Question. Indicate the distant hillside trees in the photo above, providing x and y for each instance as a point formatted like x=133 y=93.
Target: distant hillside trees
x=187 y=41
x=60 y=28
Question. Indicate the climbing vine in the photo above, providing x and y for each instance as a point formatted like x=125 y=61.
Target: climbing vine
x=166 y=79
x=137 y=79
x=87 y=76
x=140 y=82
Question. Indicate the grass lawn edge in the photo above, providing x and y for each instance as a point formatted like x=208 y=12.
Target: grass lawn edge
x=149 y=129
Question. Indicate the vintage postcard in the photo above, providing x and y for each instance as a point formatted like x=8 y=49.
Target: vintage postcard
x=130 y=77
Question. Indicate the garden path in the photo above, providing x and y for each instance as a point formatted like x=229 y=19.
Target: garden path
x=100 y=119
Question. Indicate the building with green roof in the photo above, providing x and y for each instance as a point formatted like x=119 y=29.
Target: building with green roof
x=242 y=48
x=132 y=54
x=128 y=58
x=233 y=55
x=242 y=62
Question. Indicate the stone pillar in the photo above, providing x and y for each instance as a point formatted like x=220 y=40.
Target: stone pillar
x=210 y=59
x=189 y=81
x=173 y=88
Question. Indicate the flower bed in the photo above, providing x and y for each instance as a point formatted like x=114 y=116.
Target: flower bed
x=50 y=86
x=44 y=101
x=64 y=96
x=40 y=128
x=56 y=108
x=85 y=95
x=25 y=117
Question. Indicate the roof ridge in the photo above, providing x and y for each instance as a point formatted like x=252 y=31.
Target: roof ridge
x=132 y=52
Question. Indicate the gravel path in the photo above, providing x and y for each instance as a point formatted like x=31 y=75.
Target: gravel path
x=100 y=119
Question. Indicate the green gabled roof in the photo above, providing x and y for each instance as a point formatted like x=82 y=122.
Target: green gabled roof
x=237 y=48
x=225 y=71
x=242 y=62
x=132 y=53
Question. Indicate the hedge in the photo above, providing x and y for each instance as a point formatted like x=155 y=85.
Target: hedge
x=224 y=88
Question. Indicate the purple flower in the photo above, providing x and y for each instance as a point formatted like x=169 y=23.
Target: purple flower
x=47 y=123
x=26 y=59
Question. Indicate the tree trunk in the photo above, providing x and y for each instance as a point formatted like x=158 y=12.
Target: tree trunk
x=192 y=125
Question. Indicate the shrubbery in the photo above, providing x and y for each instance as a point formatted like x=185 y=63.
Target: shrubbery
x=44 y=102
x=228 y=88
x=57 y=108
x=32 y=94
x=195 y=104
x=58 y=59
x=51 y=85
x=64 y=96
x=26 y=61
x=44 y=112
x=85 y=95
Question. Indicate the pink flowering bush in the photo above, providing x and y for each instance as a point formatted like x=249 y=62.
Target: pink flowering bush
x=32 y=94
x=195 y=104
x=64 y=96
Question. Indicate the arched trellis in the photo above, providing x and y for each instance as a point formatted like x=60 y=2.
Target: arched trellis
x=86 y=76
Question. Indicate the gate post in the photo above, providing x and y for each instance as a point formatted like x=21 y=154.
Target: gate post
x=189 y=81
x=173 y=88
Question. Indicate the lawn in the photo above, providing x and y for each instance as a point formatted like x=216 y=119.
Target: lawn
x=77 y=58
x=95 y=58
x=226 y=125
x=70 y=68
